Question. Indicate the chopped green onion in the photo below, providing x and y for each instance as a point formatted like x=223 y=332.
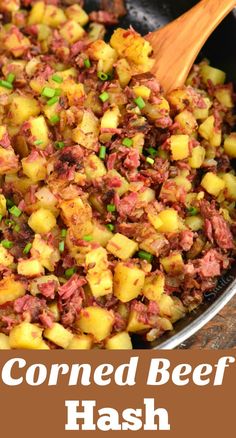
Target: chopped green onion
x=10 y=203
x=57 y=79
x=7 y=244
x=36 y=142
x=110 y=227
x=102 y=152
x=104 y=96
x=1 y=216
x=9 y=222
x=53 y=100
x=62 y=246
x=48 y=92
x=102 y=76
x=111 y=208
x=60 y=144
x=15 y=211
x=140 y=102
x=17 y=228
x=58 y=91
x=192 y=211
x=152 y=152
x=88 y=238
x=150 y=160
x=144 y=255
x=63 y=232
x=55 y=119
x=87 y=63
x=69 y=272
x=128 y=142
x=6 y=84
x=27 y=248
x=11 y=77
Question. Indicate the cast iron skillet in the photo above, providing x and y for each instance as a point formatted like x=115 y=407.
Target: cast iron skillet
x=145 y=16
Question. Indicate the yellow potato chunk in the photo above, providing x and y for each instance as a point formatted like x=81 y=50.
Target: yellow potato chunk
x=58 y=335
x=195 y=223
x=53 y=16
x=36 y=14
x=142 y=91
x=120 y=341
x=101 y=234
x=10 y=290
x=124 y=72
x=128 y=281
x=27 y=336
x=166 y=305
x=30 y=268
x=22 y=108
x=208 y=131
x=230 y=145
x=104 y=54
x=187 y=122
x=10 y=5
x=155 y=220
x=8 y=161
x=197 y=158
x=213 y=184
x=94 y=167
x=122 y=247
x=17 y=44
x=39 y=131
x=4 y=342
x=98 y=275
x=86 y=134
x=3 y=205
x=134 y=325
x=124 y=185
x=72 y=31
x=170 y=221
x=96 y=321
x=77 y=215
x=35 y=169
x=6 y=259
x=224 y=96
x=173 y=263
x=154 y=287
x=81 y=342
x=216 y=76
x=47 y=255
x=179 y=145
x=42 y=221
x=230 y=186
x=203 y=113
x=76 y=13
x=110 y=119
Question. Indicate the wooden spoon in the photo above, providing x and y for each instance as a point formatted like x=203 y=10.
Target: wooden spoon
x=177 y=45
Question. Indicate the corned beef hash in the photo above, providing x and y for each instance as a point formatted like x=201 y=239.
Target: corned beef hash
x=117 y=203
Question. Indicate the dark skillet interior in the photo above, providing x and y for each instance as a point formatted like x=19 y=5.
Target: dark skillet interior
x=145 y=16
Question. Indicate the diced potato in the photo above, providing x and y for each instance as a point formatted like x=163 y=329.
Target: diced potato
x=17 y=44
x=110 y=119
x=78 y=216
x=33 y=286
x=36 y=13
x=101 y=234
x=179 y=145
x=225 y=96
x=130 y=45
x=124 y=72
x=203 y=113
x=4 y=342
x=122 y=247
x=195 y=223
x=35 y=168
x=94 y=167
x=154 y=287
x=230 y=186
x=104 y=54
x=53 y=16
x=155 y=220
x=74 y=92
x=186 y=122
x=27 y=336
x=208 y=131
x=99 y=277
x=170 y=221
x=42 y=221
x=128 y=281
x=216 y=76
x=22 y=108
x=96 y=32
x=96 y=321
x=142 y=91
x=183 y=182
x=10 y=5
x=6 y=259
x=8 y=161
x=71 y=31
x=47 y=255
x=53 y=307
x=81 y=342
x=197 y=158
x=120 y=341
x=30 y=268
x=134 y=324
x=138 y=142
x=173 y=263
x=124 y=185
x=39 y=131
x=58 y=335
x=19 y=183
x=10 y=289
x=46 y=199
x=3 y=205
x=230 y=145
x=86 y=134
x=213 y=184
x=179 y=98
x=76 y=13
x=147 y=195
x=166 y=305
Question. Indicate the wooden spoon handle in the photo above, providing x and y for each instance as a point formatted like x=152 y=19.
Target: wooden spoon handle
x=177 y=45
